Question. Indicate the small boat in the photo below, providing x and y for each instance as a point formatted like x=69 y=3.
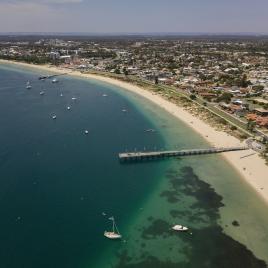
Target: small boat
x=114 y=234
x=124 y=110
x=55 y=80
x=180 y=228
x=86 y=131
x=104 y=95
x=68 y=108
x=54 y=117
x=150 y=130
x=73 y=98
x=28 y=85
x=61 y=95
x=42 y=93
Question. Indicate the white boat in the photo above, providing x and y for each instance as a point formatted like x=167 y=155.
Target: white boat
x=124 y=110
x=86 y=131
x=55 y=80
x=42 y=93
x=73 y=98
x=150 y=130
x=54 y=117
x=180 y=228
x=104 y=95
x=28 y=85
x=68 y=108
x=61 y=95
x=114 y=234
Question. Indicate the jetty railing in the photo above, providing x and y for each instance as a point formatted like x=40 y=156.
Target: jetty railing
x=153 y=155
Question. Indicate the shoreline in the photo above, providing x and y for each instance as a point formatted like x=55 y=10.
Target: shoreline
x=252 y=169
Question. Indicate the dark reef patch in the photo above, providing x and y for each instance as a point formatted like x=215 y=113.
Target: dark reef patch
x=208 y=247
x=235 y=223
x=150 y=218
x=186 y=182
x=179 y=214
x=172 y=196
x=206 y=196
x=171 y=172
x=150 y=261
x=220 y=251
x=157 y=228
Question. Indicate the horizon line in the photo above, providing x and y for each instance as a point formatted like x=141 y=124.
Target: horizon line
x=140 y=33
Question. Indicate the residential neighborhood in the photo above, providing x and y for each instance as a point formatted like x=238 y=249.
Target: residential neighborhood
x=230 y=75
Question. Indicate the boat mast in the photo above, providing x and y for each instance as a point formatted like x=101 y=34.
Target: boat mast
x=116 y=229
x=113 y=225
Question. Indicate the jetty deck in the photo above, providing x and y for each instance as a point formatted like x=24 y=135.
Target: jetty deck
x=139 y=156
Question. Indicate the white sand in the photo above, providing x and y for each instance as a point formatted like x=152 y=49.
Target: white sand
x=253 y=168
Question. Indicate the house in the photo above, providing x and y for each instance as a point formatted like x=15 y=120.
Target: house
x=207 y=95
x=262 y=121
x=251 y=117
x=261 y=101
x=261 y=111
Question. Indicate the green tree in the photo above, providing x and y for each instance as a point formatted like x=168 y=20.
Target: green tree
x=251 y=125
x=192 y=97
x=225 y=97
x=244 y=82
x=125 y=71
x=117 y=71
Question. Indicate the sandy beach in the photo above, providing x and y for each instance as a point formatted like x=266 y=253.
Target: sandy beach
x=252 y=169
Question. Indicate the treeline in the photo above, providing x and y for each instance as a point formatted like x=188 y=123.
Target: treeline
x=27 y=59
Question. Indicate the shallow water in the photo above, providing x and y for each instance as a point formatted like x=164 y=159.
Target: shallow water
x=56 y=182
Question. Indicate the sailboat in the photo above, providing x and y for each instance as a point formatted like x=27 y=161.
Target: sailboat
x=28 y=85
x=115 y=233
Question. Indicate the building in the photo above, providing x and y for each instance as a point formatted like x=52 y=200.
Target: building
x=261 y=101
x=261 y=111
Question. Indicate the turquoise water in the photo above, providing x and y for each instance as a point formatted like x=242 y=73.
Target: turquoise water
x=56 y=182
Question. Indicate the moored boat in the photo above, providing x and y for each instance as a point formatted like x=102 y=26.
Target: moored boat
x=149 y=130
x=114 y=234
x=28 y=85
x=180 y=228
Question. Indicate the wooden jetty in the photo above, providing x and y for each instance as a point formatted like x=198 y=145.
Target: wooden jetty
x=139 y=156
x=43 y=77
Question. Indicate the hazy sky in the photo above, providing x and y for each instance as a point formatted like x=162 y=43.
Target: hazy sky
x=104 y=16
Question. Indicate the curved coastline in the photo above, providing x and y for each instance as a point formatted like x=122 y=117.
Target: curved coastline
x=252 y=169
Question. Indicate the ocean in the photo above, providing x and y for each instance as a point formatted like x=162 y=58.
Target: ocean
x=59 y=186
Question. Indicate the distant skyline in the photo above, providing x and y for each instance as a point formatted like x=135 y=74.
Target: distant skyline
x=139 y=16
